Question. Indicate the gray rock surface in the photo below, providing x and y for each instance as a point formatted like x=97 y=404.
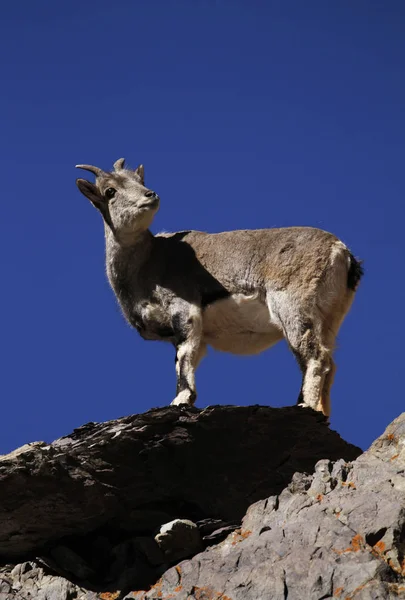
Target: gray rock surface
x=78 y=517
x=28 y=581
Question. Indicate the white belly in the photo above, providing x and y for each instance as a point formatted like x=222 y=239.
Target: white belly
x=240 y=324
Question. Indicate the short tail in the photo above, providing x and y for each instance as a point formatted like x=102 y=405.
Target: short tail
x=355 y=272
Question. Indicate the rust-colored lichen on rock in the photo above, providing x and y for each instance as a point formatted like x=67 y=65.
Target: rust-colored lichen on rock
x=349 y=484
x=158 y=588
x=239 y=535
x=357 y=543
x=395 y=567
x=206 y=593
x=379 y=547
x=157 y=591
x=358 y=589
x=337 y=592
x=109 y=595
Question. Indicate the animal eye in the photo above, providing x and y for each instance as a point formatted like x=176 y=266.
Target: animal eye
x=110 y=193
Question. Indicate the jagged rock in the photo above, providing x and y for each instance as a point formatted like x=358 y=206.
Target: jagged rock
x=179 y=539
x=84 y=510
x=218 y=535
x=337 y=534
x=27 y=581
x=208 y=526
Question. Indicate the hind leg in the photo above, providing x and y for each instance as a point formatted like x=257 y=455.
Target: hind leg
x=315 y=362
x=308 y=345
x=315 y=357
x=327 y=384
x=329 y=333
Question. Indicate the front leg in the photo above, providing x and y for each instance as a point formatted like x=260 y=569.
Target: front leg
x=187 y=325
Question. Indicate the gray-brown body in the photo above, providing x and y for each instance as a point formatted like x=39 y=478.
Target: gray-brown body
x=238 y=291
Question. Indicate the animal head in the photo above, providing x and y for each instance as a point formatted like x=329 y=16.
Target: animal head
x=127 y=206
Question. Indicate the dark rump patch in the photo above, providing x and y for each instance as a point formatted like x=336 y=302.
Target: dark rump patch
x=355 y=273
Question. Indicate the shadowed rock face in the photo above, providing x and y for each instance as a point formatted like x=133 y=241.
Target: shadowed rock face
x=80 y=518
x=209 y=463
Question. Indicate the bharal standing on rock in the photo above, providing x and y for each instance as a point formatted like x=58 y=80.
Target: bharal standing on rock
x=238 y=291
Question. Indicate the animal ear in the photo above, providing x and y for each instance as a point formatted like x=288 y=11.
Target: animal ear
x=140 y=174
x=90 y=191
x=119 y=164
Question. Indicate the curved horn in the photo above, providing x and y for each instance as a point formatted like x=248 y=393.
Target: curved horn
x=119 y=164
x=97 y=172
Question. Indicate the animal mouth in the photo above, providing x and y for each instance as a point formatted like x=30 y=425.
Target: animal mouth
x=152 y=203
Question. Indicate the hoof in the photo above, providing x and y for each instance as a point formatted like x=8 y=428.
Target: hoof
x=184 y=398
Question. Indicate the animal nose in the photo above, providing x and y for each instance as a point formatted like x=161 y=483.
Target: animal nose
x=151 y=194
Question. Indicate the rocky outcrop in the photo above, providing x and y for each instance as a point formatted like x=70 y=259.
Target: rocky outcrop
x=108 y=512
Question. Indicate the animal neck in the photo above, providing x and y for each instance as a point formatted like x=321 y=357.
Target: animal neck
x=138 y=247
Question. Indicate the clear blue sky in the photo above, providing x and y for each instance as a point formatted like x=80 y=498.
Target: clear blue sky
x=246 y=114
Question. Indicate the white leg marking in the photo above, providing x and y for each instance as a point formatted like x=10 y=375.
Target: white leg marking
x=183 y=397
